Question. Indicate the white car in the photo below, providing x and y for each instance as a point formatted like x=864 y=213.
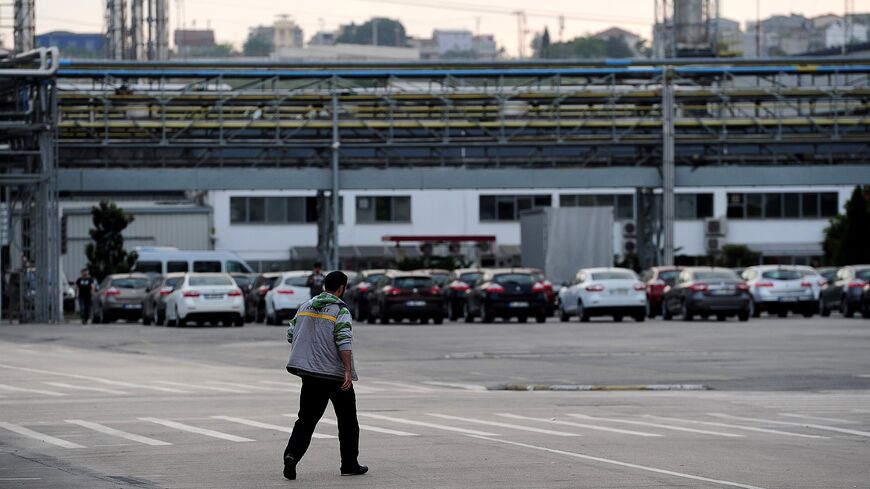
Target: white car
x=616 y=292
x=289 y=292
x=783 y=288
x=202 y=297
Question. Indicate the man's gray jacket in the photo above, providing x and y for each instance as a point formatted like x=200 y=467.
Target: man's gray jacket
x=320 y=329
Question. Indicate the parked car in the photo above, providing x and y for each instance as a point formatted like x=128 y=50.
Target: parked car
x=506 y=293
x=154 y=305
x=69 y=296
x=706 y=291
x=357 y=295
x=817 y=281
x=244 y=280
x=120 y=296
x=201 y=297
x=538 y=276
x=828 y=274
x=616 y=292
x=405 y=295
x=284 y=298
x=255 y=306
x=156 y=260
x=865 y=302
x=439 y=275
x=781 y=289
x=456 y=290
x=844 y=293
x=656 y=279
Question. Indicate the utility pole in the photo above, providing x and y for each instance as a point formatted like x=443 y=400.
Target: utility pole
x=24 y=30
x=521 y=33
x=668 y=170
x=757 y=28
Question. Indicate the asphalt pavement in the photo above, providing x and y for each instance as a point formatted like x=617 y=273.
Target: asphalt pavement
x=787 y=405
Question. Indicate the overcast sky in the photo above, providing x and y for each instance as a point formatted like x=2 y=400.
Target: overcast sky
x=231 y=19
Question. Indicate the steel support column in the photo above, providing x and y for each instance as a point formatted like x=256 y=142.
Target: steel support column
x=668 y=171
x=334 y=207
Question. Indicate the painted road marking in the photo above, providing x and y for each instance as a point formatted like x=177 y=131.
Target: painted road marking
x=738 y=427
x=621 y=464
x=31 y=391
x=197 y=430
x=121 y=434
x=503 y=425
x=805 y=425
x=427 y=425
x=804 y=416
x=656 y=425
x=92 y=378
x=83 y=388
x=198 y=386
x=266 y=426
x=457 y=385
x=39 y=436
x=578 y=425
x=372 y=428
x=403 y=386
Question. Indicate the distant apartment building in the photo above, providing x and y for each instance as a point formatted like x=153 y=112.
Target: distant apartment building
x=839 y=33
x=287 y=34
x=347 y=52
x=191 y=41
x=74 y=44
x=323 y=38
x=456 y=43
x=631 y=39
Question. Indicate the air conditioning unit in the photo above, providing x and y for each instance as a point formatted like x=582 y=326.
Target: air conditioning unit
x=714 y=244
x=629 y=246
x=629 y=229
x=714 y=227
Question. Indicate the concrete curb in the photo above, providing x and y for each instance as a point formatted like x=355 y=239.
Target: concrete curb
x=585 y=387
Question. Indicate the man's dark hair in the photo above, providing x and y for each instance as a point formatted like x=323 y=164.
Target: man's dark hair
x=317 y=264
x=83 y=270
x=334 y=281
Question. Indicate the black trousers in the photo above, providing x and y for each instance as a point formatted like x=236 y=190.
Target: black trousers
x=316 y=392
x=85 y=308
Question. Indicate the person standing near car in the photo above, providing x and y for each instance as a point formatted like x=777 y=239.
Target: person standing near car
x=315 y=280
x=321 y=354
x=85 y=288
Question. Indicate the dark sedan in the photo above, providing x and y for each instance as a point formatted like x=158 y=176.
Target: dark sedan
x=255 y=304
x=154 y=305
x=357 y=295
x=456 y=290
x=706 y=292
x=403 y=295
x=656 y=279
x=506 y=293
x=844 y=293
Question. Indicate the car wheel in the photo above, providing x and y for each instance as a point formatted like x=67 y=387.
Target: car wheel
x=865 y=309
x=581 y=311
x=146 y=319
x=385 y=319
x=563 y=316
x=808 y=313
x=639 y=318
x=541 y=318
x=161 y=319
x=522 y=319
x=721 y=317
x=488 y=316
x=687 y=313
x=650 y=311
x=848 y=310
x=179 y=321
x=666 y=312
x=743 y=316
x=782 y=314
x=823 y=309
x=617 y=318
x=467 y=313
x=754 y=310
x=439 y=319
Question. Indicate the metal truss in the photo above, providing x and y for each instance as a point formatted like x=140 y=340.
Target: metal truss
x=28 y=185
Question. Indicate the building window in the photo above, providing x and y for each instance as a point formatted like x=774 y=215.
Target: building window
x=792 y=205
x=623 y=204
x=276 y=210
x=383 y=209
x=508 y=207
x=694 y=206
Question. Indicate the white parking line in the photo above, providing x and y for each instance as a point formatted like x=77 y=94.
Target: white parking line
x=503 y=425
x=805 y=425
x=266 y=426
x=38 y=436
x=738 y=427
x=656 y=425
x=427 y=425
x=200 y=386
x=468 y=387
x=404 y=386
x=372 y=428
x=247 y=386
x=92 y=378
x=32 y=391
x=804 y=416
x=122 y=434
x=578 y=425
x=621 y=464
x=83 y=388
x=194 y=429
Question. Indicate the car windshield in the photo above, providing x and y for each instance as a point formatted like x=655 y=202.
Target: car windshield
x=669 y=275
x=373 y=278
x=201 y=280
x=715 y=275
x=242 y=280
x=863 y=274
x=612 y=276
x=130 y=283
x=470 y=278
x=412 y=282
x=809 y=273
x=440 y=278
x=300 y=281
x=782 y=275
x=513 y=278
x=170 y=282
x=829 y=275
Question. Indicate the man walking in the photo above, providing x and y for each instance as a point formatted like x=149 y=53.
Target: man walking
x=315 y=280
x=322 y=356
x=85 y=287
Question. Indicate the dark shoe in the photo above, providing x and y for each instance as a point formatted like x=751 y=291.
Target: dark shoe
x=359 y=470
x=289 y=468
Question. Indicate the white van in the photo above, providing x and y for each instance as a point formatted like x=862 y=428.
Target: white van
x=154 y=260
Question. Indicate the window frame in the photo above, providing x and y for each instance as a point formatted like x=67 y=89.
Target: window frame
x=518 y=203
x=375 y=201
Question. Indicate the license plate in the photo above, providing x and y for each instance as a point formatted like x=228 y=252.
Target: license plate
x=214 y=296
x=788 y=299
x=518 y=304
x=619 y=292
x=722 y=292
x=415 y=303
x=132 y=306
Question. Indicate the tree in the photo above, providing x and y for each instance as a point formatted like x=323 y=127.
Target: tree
x=106 y=255
x=855 y=245
x=389 y=32
x=258 y=43
x=832 y=243
x=736 y=255
x=616 y=47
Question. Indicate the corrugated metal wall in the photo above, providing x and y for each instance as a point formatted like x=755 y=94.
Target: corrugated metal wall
x=184 y=229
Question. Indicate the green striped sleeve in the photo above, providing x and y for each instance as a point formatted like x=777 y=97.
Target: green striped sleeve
x=343 y=330
x=290 y=330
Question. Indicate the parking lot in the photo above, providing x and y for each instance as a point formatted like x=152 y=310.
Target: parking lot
x=127 y=405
